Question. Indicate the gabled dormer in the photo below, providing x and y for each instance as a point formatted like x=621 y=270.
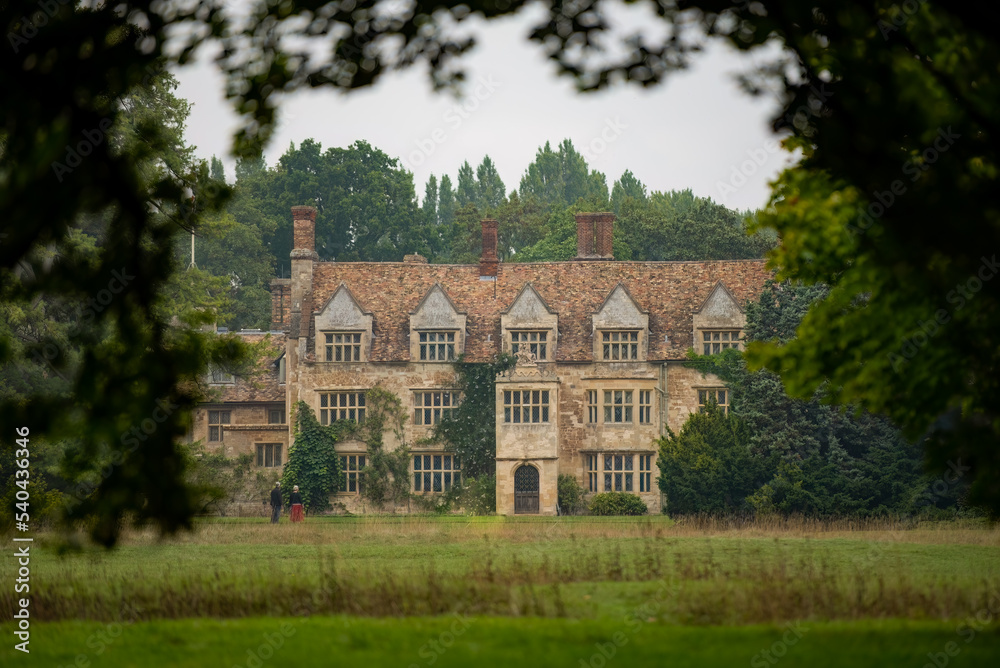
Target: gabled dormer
x=718 y=322
x=437 y=328
x=529 y=326
x=620 y=328
x=343 y=329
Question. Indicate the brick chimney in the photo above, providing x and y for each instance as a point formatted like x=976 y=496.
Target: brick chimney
x=605 y=234
x=584 y=236
x=489 y=262
x=303 y=257
x=304 y=228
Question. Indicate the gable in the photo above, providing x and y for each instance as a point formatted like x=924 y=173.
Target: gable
x=671 y=292
x=436 y=311
x=720 y=309
x=342 y=311
x=528 y=309
x=620 y=310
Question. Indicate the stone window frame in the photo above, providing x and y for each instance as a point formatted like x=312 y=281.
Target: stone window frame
x=217 y=424
x=351 y=464
x=593 y=408
x=611 y=402
x=344 y=409
x=642 y=406
x=355 y=348
x=269 y=452
x=611 y=344
x=271 y=415
x=424 y=345
x=719 y=344
x=645 y=472
x=444 y=472
x=593 y=471
x=645 y=406
x=219 y=376
x=540 y=347
x=515 y=406
x=437 y=411
x=618 y=471
x=712 y=392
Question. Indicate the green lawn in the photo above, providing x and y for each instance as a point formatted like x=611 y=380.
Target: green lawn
x=535 y=592
x=490 y=641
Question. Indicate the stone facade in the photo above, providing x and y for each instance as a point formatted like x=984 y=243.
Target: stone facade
x=248 y=417
x=601 y=346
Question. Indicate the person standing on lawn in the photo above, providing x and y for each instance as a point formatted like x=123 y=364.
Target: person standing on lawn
x=296 y=501
x=276 y=503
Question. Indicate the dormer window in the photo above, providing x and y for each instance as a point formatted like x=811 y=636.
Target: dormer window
x=437 y=328
x=718 y=323
x=620 y=345
x=715 y=341
x=221 y=376
x=529 y=326
x=535 y=343
x=343 y=329
x=343 y=347
x=437 y=346
x=621 y=328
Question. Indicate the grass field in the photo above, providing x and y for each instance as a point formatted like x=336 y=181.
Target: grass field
x=554 y=591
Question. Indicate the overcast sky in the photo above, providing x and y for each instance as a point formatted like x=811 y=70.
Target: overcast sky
x=699 y=130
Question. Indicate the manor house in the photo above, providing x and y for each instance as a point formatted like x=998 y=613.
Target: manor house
x=600 y=347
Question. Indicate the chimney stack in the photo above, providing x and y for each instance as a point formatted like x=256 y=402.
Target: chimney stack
x=304 y=229
x=489 y=262
x=584 y=236
x=605 y=235
x=594 y=234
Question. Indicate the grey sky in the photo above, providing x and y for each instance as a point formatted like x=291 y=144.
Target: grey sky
x=691 y=132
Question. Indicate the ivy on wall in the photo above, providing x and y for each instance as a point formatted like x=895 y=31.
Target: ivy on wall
x=313 y=463
x=386 y=476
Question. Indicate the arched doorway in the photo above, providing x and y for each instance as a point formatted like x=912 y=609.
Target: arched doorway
x=526 y=489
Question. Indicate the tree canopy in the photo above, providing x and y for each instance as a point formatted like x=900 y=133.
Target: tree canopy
x=892 y=106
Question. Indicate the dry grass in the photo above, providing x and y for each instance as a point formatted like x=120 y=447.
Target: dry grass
x=461 y=529
x=700 y=571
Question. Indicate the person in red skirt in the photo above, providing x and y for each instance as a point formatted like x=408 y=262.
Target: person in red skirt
x=296 y=501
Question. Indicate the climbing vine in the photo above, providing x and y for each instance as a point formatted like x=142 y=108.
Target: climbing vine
x=313 y=463
x=386 y=475
x=470 y=432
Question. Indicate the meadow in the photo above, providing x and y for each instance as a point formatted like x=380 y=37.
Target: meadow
x=499 y=591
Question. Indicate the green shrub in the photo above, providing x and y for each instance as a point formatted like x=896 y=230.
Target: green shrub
x=479 y=495
x=617 y=503
x=571 y=495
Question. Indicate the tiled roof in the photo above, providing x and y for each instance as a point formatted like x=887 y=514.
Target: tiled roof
x=262 y=388
x=670 y=291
